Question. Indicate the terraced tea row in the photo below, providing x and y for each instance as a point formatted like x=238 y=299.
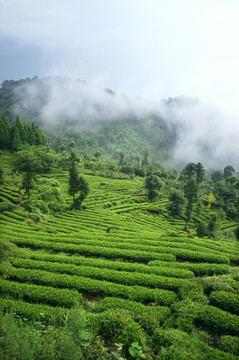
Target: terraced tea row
x=40 y=294
x=115 y=276
x=88 y=250
x=89 y=286
x=120 y=265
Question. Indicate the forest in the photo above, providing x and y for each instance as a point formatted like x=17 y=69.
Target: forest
x=107 y=250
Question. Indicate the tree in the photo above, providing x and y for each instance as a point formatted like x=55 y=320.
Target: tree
x=190 y=170
x=97 y=155
x=62 y=148
x=73 y=176
x=137 y=160
x=17 y=143
x=21 y=129
x=201 y=230
x=76 y=183
x=200 y=172
x=191 y=190
x=217 y=176
x=72 y=144
x=176 y=203
x=227 y=172
x=84 y=191
x=4 y=133
x=28 y=164
x=191 y=194
x=152 y=185
x=212 y=227
x=121 y=159
x=145 y=161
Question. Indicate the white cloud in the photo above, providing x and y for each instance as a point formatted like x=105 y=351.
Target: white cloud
x=147 y=47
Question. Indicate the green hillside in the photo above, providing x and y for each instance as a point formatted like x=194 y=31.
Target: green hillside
x=120 y=278
x=112 y=129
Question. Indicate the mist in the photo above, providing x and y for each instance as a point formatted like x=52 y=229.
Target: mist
x=204 y=133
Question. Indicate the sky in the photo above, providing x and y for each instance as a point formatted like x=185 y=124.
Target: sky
x=153 y=49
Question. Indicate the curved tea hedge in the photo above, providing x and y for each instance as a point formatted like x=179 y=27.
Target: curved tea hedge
x=120 y=277
x=89 y=286
x=225 y=301
x=31 y=311
x=38 y=293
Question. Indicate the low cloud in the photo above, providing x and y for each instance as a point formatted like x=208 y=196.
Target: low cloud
x=203 y=132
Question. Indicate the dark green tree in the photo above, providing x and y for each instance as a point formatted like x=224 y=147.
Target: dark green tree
x=152 y=185
x=72 y=144
x=97 y=155
x=145 y=161
x=4 y=133
x=76 y=183
x=27 y=163
x=201 y=230
x=190 y=170
x=191 y=190
x=62 y=148
x=121 y=158
x=17 y=143
x=227 y=172
x=176 y=204
x=191 y=194
x=31 y=138
x=212 y=227
x=84 y=191
x=217 y=176
x=200 y=172
x=21 y=129
x=137 y=160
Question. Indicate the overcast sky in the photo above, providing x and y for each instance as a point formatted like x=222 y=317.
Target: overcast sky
x=149 y=48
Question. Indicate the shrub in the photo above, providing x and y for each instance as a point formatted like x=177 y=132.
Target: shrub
x=39 y=293
x=225 y=301
x=118 y=326
x=5 y=251
x=178 y=345
x=6 y=206
x=90 y=286
x=139 y=172
x=229 y=344
x=202 y=230
x=126 y=169
x=193 y=290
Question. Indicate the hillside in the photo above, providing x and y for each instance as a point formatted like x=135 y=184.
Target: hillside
x=175 y=131
x=119 y=279
x=94 y=118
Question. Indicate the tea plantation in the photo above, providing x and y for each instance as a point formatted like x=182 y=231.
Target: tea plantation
x=119 y=279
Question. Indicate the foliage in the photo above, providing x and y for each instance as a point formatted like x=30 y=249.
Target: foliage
x=228 y=172
x=152 y=185
x=77 y=183
x=236 y=232
x=176 y=202
x=217 y=176
x=119 y=326
x=229 y=344
x=20 y=134
x=202 y=230
x=175 y=293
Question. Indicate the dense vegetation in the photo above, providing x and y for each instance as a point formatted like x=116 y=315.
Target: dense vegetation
x=112 y=133
x=113 y=259
x=130 y=275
